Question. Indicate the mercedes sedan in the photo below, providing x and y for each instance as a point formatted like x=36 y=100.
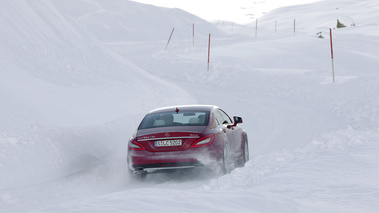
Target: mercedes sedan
x=187 y=137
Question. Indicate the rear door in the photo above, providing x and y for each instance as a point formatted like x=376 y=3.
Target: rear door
x=223 y=121
x=233 y=134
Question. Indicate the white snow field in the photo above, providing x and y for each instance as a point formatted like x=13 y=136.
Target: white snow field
x=77 y=76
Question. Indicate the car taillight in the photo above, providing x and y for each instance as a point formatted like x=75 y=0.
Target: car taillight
x=204 y=141
x=134 y=145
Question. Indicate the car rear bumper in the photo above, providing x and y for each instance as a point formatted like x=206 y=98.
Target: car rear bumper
x=147 y=162
x=165 y=167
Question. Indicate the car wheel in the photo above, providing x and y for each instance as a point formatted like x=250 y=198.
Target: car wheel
x=245 y=152
x=225 y=167
x=140 y=177
x=137 y=176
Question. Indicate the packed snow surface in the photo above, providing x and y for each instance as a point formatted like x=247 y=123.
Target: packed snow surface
x=77 y=77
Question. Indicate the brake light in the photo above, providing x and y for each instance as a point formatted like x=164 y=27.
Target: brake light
x=134 y=145
x=205 y=141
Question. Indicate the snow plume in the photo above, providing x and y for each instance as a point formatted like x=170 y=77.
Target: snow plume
x=57 y=84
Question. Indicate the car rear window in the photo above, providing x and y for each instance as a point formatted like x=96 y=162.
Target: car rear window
x=185 y=118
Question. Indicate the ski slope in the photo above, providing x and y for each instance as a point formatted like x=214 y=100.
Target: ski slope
x=77 y=77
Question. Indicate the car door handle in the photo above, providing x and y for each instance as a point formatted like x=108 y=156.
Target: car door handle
x=226 y=129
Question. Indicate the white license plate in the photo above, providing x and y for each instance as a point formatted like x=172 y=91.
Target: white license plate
x=168 y=143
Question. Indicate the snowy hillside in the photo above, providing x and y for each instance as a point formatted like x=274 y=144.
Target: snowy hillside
x=76 y=77
x=121 y=21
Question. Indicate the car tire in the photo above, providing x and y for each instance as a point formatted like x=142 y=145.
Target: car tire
x=245 y=154
x=140 y=177
x=225 y=167
x=137 y=176
x=245 y=151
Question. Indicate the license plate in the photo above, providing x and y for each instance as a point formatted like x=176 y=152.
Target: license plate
x=168 y=143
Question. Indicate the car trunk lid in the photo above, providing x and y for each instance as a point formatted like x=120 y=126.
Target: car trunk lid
x=163 y=141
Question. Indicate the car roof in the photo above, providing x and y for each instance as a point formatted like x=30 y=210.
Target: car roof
x=184 y=108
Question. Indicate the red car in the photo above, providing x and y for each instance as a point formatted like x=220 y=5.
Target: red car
x=184 y=137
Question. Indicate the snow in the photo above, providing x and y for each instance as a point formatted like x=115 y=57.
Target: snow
x=77 y=77
x=237 y=11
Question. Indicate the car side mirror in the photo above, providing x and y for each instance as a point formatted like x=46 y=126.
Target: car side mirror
x=237 y=120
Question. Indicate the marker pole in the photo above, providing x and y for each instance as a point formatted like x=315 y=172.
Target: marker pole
x=276 y=23
x=170 y=37
x=256 y=28
x=331 y=48
x=193 y=34
x=209 y=49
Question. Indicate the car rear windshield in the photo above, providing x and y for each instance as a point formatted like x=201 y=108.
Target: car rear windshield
x=188 y=118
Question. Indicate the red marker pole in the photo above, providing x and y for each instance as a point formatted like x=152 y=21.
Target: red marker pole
x=331 y=48
x=209 y=49
x=169 y=38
